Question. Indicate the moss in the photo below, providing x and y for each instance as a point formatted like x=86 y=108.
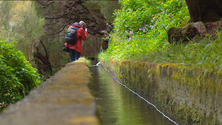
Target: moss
x=83 y=121
x=182 y=92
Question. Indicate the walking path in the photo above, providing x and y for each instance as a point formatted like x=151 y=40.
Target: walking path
x=63 y=99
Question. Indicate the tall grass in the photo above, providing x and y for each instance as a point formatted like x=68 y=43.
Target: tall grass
x=148 y=41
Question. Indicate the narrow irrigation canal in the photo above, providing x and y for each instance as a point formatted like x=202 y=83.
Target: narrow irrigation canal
x=119 y=106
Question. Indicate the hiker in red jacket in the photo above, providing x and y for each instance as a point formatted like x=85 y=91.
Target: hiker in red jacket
x=76 y=50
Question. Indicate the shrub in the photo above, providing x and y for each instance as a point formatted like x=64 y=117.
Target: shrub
x=144 y=32
x=151 y=44
x=17 y=75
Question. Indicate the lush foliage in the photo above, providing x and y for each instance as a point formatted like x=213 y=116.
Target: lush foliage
x=145 y=37
x=134 y=14
x=17 y=75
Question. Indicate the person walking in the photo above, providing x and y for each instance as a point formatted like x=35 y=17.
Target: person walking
x=82 y=34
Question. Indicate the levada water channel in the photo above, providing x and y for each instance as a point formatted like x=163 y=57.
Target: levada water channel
x=118 y=105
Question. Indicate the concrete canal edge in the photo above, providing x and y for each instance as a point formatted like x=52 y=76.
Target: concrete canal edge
x=187 y=95
x=63 y=99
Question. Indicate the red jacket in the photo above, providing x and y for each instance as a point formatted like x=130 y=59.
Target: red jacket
x=81 y=35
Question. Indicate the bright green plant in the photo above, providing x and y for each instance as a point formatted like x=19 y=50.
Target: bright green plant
x=150 y=43
x=144 y=32
x=17 y=75
x=134 y=15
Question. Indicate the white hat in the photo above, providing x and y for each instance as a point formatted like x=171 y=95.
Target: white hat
x=82 y=23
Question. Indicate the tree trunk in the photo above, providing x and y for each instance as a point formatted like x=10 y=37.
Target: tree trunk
x=205 y=10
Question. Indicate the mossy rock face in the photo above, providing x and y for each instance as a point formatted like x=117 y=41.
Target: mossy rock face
x=182 y=35
x=190 y=96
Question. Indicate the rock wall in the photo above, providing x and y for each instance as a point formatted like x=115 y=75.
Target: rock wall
x=187 y=95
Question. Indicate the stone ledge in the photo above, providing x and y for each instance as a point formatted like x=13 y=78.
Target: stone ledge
x=188 y=96
x=63 y=99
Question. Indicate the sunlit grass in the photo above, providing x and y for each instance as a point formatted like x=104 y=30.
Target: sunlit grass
x=205 y=53
x=149 y=42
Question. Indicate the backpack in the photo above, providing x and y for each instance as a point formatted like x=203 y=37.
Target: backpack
x=71 y=35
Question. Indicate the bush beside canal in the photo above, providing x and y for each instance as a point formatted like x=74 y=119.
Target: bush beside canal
x=145 y=39
x=17 y=75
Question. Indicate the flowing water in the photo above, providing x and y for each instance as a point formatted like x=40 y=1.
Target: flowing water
x=116 y=104
x=119 y=106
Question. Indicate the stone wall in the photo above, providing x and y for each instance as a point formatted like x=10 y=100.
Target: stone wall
x=187 y=95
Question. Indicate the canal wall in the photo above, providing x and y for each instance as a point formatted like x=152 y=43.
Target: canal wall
x=187 y=95
x=64 y=99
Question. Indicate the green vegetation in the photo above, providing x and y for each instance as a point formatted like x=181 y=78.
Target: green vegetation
x=139 y=45
x=17 y=75
x=140 y=33
x=19 y=22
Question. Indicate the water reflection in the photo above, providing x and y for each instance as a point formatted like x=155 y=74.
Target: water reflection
x=118 y=106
